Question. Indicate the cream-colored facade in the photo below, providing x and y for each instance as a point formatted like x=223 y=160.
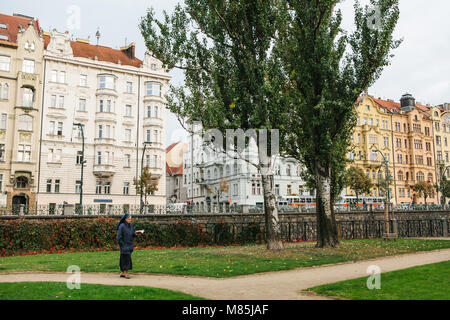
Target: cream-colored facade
x=372 y=132
x=120 y=106
x=441 y=131
x=21 y=55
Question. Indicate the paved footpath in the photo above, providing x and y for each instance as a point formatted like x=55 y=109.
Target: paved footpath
x=278 y=285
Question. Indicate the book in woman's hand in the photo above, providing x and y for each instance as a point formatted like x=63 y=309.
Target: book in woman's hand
x=139 y=231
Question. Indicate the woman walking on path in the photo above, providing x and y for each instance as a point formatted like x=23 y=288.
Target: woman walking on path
x=125 y=236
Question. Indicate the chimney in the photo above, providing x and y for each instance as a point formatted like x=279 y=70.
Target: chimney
x=129 y=50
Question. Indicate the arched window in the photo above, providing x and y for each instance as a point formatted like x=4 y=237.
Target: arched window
x=400 y=175
x=436 y=114
x=208 y=174
x=420 y=176
x=215 y=172
x=227 y=170
x=21 y=182
x=235 y=170
x=25 y=122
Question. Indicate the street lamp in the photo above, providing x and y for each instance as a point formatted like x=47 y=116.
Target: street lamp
x=142 y=166
x=80 y=125
x=386 y=190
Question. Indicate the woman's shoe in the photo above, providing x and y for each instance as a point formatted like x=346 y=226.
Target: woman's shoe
x=122 y=275
x=127 y=277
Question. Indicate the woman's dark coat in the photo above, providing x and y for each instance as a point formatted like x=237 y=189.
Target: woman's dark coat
x=125 y=236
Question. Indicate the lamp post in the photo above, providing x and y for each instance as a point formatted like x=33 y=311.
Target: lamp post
x=142 y=166
x=386 y=193
x=80 y=125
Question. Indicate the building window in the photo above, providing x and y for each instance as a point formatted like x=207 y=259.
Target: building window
x=54 y=76
x=149 y=111
x=107 y=82
x=98 y=187
x=25 y=122
x=79 y=157
x=57 y=183
x=59 y=130
x=4 y=37
x=153 y=89
x=420 y=176
x=128 y=110
x=1 y=182
x=3 y=120
x=100 y=107
x=277 y=189
x=107 y=187
x=83 y=80
x=400 y=175
x=128 y=135
x=78 y=186
x=289 y=189
x=127 y=163
x=4 y=92
x=28 y=66
x=129 y=87
x=2 y=152
x=100 y=131
x=5 y=63
x=99 y=157
x=27 y=97
x=62 y=77
x=126 y=188
x=82 y=105
x=108 y=106
x=61 y=102
x=156 y=112
x=49 y=185
x=23 y=153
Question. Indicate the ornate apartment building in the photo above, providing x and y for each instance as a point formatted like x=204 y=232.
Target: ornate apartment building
x=405 y=134
x=372 y=133
x=21 y=63
x=441 y=130
x=116 y=102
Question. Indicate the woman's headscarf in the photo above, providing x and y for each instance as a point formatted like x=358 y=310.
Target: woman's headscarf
x=122 y=220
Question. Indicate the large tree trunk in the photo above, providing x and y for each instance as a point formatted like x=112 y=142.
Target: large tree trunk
x=273 y=230
x=326 y=223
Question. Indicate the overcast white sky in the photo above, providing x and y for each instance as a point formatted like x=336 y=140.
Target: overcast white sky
x=421 y=65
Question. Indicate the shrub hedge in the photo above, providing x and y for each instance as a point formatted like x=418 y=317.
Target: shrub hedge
x=22 y=236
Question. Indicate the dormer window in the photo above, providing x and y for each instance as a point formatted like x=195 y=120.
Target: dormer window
x=4 y=37
x=3 y=26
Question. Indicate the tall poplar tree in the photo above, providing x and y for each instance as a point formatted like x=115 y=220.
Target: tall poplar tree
x=225 y=51
x=328 y=69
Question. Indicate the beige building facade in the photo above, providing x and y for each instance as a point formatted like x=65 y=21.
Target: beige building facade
x=21 y=63
x=119 y=102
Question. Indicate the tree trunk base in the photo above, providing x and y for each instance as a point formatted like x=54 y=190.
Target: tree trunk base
x=275 y=245
x=331 y=244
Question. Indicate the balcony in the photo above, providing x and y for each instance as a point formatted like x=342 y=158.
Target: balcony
x=104 y=170
x=106 y=92
x=153 y=122
x=104 y=141
x=105 y=116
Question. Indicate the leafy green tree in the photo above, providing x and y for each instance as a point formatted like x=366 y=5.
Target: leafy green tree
x=358 y=181
x=327 y=70
x=424 y=189
x=445 y=189
x=231 y=78
x=146 y=184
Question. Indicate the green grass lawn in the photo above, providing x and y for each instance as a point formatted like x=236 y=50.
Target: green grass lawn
x=428 y=282
x=59 y=291
x=221 y=261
